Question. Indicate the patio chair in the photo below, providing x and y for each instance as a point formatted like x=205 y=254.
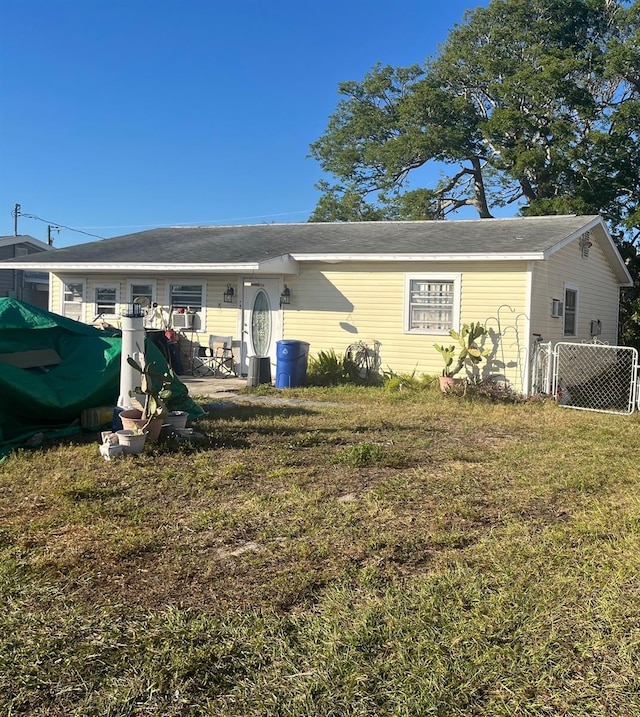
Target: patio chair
x=221 y=350
x=216 y=359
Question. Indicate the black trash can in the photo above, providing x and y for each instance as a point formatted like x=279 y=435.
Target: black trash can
x=259 y=370
x=291 y=363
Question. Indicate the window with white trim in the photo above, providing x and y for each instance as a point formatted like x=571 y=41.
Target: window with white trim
x=432 y=303
x=72 y=299
x=143 y=292
x=140 y=290
x=570 y=311
x=106 y=301
x=188 y=298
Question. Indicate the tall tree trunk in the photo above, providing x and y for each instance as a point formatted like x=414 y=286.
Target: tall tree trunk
x=480 y=195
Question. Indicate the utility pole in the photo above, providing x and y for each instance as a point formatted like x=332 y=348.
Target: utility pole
x=49 y=238
x=16 y=214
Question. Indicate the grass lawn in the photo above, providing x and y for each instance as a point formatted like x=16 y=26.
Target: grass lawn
x=399 y=554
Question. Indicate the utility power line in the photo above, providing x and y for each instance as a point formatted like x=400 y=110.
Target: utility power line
x=17 y=212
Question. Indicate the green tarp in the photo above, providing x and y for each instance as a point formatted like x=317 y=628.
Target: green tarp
x=50 y=399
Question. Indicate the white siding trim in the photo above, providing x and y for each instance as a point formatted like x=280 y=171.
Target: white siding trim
x=528 y=307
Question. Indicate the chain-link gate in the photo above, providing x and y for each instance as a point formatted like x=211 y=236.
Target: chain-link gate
x=542 y=367
x=595 y=377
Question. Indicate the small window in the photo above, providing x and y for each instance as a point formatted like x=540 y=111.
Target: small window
x=570 y=312
x=72 y=298
x=432 y=304
x=141 y=291
x=186 y=296
x=106 y=301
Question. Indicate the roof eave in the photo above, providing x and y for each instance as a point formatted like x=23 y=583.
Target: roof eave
x=282 y=264
x=336 y=258
x=110 y=268
x=25 y=239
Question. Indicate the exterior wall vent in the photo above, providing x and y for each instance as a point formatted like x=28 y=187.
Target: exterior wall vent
x=585 y=244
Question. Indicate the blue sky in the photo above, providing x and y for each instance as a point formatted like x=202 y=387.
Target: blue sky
x=122 y=115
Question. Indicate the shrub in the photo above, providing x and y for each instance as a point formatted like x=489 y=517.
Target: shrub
x=327 y=369
x=407 y=382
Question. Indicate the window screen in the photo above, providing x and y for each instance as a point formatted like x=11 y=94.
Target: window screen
x=431 y=305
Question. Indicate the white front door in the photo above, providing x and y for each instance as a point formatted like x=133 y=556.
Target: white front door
x=261 y=320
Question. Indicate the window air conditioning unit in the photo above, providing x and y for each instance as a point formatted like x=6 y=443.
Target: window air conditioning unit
x=182 y=321
x=557 y=308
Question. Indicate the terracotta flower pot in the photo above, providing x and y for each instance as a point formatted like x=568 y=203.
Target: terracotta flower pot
x=132 y=418
x=448 y=382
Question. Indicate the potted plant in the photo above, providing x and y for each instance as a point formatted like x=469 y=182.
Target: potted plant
x=148 y=400
x=131 y=440
x=466 y=350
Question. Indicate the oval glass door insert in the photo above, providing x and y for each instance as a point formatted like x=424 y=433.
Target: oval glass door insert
x=261 y=324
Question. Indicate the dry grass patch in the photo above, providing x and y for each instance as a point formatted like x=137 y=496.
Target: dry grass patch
x=387 y=555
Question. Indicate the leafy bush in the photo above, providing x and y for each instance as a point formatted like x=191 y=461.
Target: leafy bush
x=331 y=369
x=408 y=382
x=327 y=369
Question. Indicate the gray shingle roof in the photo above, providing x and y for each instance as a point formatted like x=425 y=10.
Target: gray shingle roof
x=260 y=242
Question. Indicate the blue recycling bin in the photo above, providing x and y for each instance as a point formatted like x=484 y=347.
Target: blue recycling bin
x=291 y=363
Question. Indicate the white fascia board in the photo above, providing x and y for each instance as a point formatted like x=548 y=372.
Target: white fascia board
x=279 y=265
x=608 y=246
x=126 y=267
x=337 y=258
x=283 y=264
x=572 y=237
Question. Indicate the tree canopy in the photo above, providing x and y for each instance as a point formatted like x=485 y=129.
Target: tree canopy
x=530 y=103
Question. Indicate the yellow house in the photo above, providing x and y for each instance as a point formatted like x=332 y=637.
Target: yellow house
x=399 y=287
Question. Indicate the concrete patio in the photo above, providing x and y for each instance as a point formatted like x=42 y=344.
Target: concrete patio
x=212 y=387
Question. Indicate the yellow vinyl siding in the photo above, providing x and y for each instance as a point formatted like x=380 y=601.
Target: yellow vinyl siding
x=598 y=293
x=367 y=303
x=221 y=319
x=55 y=293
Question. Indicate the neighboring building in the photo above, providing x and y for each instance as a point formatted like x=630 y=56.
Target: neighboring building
x=25 y=285
x=400 y=285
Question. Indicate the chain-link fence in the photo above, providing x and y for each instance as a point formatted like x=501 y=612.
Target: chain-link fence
x=595 y=377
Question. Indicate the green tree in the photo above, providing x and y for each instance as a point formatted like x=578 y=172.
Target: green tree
x=529 y=103
x=532 y=102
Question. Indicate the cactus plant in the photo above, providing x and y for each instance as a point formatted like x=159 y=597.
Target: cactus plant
x=155 y=387
x=467 y=348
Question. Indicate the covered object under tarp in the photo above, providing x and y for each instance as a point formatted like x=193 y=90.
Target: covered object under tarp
x=84 y=374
